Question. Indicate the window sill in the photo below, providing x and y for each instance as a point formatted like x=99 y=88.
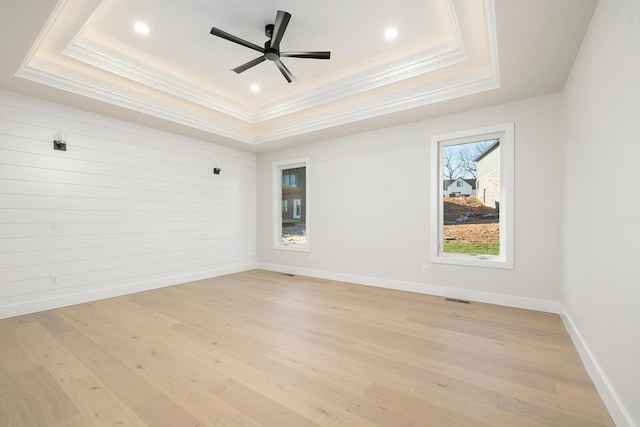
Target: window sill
x=474 y=260
x=292 y=248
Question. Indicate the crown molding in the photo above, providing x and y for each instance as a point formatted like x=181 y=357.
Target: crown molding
x=197 y=95
x=492 y=37
x=375 y=108
x=153 y=109
x=366 y=81
x=411 y=66
x=418 y=64
x=370 y=109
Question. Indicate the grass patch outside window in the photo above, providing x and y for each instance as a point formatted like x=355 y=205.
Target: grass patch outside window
x=484 y=248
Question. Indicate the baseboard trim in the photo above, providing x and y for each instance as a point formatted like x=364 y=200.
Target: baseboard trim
x=422 y=288
x=64 y=300
x=617 y=410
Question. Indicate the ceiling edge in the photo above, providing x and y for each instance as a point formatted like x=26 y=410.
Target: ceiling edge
x=377 y=109
x=152 y=109
x=365 y=82
x=136 y=74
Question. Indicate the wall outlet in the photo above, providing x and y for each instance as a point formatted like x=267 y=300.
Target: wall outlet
x=54 y=279
x=53 y=225
x=425 y=268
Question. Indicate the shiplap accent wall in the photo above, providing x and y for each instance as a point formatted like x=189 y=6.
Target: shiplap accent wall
x=125 y=208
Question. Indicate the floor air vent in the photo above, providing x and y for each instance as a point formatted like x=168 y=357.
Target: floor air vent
x=288 y=274
x=462 y=301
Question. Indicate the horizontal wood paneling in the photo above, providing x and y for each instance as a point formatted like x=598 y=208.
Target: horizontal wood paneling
x=123 y=205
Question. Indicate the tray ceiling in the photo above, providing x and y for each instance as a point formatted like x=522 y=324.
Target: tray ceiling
x=178 y=72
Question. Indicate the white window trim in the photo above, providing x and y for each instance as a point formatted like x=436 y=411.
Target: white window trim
x=506 y=134
x=277 y=204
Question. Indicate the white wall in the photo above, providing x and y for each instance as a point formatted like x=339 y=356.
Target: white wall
x=601 y=282
x=135 y=208
x=371 y=209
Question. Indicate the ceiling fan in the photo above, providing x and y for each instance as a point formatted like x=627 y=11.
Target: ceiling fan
x=271 y=49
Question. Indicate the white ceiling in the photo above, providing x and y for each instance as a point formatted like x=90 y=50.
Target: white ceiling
x=449 y=56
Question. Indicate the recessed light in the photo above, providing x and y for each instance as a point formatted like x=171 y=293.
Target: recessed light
x=141 y=28
x=255 y=88
x=391 y=33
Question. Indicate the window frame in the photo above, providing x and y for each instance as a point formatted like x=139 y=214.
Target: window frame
x=506 y=133
x=278 y=167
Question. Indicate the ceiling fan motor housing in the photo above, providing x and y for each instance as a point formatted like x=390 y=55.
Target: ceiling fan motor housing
x=270 y=53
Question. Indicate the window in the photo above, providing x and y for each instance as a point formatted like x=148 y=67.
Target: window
x=289 y=178
x=473 y=225
x=291 y=213
x=297 y=208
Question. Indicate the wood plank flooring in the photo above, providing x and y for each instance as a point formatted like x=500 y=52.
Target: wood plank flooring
x=266 y=349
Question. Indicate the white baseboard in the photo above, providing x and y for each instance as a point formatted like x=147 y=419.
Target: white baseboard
x=422 y=288
x=618 y=412
x=88 y=295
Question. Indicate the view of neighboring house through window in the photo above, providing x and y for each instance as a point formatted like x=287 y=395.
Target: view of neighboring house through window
x=290 y=184
x=474 y=181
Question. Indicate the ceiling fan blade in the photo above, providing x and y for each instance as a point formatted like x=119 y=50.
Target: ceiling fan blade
x=310 y=55
x=223 y=34
x=285 y=71
x=279 y=27
x=249 y=64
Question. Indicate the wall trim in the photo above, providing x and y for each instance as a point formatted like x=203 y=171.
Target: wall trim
x=617 y=410
x=367 y=81
x=377 y=108
x=185 y=91
x=151 y=107
x=65 y=300
x=422 y=288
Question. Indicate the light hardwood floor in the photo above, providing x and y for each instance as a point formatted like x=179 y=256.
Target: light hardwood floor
x=263 y=348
